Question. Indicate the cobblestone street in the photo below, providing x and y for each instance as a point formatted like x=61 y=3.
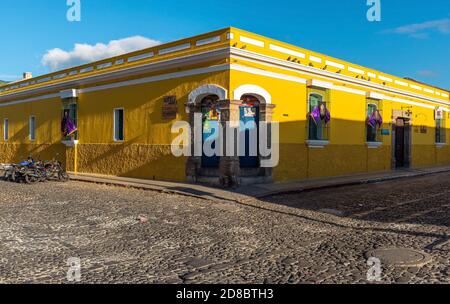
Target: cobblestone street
x=311 y=237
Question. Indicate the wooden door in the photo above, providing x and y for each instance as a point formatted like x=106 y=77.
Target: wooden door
x=400 y=143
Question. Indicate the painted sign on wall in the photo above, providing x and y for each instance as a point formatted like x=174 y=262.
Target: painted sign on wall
x=170 y=107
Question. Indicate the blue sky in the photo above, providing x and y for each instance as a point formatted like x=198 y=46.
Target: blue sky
x=412 y=39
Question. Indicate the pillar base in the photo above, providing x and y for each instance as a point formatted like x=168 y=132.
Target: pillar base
x=229 y=172
x=193 y=167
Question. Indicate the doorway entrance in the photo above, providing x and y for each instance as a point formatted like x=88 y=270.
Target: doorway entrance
x=401 y=143
x=210 y=127
x=249 y=130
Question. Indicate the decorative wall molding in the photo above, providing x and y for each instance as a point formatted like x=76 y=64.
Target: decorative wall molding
x=253 y=89
x=319 y=84
x=279 y=63
x=129 y=71
x=208 y=89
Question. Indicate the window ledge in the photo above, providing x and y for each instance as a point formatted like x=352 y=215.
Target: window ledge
x=70 y=143
x=374 y=144
x=440 y=145
x=317 y=143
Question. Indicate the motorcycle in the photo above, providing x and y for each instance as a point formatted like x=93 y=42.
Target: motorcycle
x=55 y=171
x=31 y=171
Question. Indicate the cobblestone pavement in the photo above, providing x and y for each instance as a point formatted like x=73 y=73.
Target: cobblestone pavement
x=282 y=239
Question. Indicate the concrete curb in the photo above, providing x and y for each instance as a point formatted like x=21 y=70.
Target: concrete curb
x=143 y=186
x=349 y=183
x=221 y=195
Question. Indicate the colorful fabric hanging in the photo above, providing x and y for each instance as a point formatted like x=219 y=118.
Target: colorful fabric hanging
x=68 y=127
x=320 y=113
x=375 y=119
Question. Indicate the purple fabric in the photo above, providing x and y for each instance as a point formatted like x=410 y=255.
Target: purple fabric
x=68 y=127
x=317 y=114
x=375 y=119
x=326 y=116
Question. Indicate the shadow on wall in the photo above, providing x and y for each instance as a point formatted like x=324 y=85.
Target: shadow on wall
x=297 y=160
x=15 y=150
x=15 y=153
x=348 y=152
x=133 y=158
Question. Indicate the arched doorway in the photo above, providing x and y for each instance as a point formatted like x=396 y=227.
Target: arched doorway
x=210 y=131
x=239 y=116
x=200 y=102
x=249 y=131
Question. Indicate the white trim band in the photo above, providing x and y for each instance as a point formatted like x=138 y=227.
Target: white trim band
x=284 y=50
x=252 y=41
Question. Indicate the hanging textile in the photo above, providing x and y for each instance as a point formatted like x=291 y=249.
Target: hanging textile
x=320 y=113
x=68 y=127
x=375 y=119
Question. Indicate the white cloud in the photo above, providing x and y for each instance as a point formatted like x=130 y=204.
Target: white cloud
x=57 y=59
x=428 y=73
x=421 y=30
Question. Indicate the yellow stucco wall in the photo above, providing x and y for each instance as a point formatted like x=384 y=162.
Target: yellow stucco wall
x=146 y=150
x=347 y=151
x=19 y=146
x=146 y=153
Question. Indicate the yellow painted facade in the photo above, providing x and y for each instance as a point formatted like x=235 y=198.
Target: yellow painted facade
x=229 y=59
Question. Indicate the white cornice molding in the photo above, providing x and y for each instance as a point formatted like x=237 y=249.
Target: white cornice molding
x=272 y=61
x=42 y=97
x=341 y=88
x=375 y=95
x=131 y=71
x=217 y=68
x=319 y=84
x=72 y=93
x=222 y=67
x=203 y=57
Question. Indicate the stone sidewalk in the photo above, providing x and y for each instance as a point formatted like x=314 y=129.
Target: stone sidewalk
x=254 y=191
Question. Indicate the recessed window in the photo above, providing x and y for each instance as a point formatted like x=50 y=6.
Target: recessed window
x=440 y=126
x=69 y=121
x=5 y=129
x=118 y=125
x=318 y=117
x=32 y=128
x=374 y=121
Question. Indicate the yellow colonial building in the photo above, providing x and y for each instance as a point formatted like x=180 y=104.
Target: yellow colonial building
x=335 y=117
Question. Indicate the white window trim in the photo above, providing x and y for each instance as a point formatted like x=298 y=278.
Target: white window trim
x=374 y=144
x=114 y=125
x=70 y=143
x=317 y=143
x=5 y=133
x=29 y=128
x=441 y=144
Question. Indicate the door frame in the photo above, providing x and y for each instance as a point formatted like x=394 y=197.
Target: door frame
x=407 y=143
x=244 y=159
x=213 y=162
